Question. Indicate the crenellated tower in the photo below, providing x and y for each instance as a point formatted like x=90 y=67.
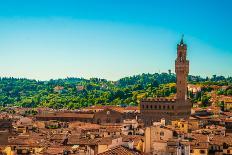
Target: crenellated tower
x=182 y=70
x=155 y=109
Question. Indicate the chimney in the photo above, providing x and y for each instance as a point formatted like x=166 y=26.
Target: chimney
x=162 y=121
x=208 y=139
x=131 y=144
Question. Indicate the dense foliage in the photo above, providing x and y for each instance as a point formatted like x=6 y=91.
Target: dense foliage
x=74 y=93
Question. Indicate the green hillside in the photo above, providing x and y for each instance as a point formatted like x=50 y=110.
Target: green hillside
x=75 y=93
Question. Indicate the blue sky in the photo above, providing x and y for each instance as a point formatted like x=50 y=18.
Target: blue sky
x=111 y=39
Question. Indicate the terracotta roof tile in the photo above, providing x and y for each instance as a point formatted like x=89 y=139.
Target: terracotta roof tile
x=65 y=114
x=87 y=141
x=119 y=150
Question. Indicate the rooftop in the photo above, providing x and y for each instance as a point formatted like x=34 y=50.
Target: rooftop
x=66 y=115
x=119 y=150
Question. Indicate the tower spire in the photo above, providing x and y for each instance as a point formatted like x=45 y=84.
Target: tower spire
x=182 y=39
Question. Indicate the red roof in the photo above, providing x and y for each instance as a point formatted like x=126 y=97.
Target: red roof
x=119 y=150
x=66 y=115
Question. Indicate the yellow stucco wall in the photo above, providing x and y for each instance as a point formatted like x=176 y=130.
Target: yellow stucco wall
x=198 y=152
x=8 y=151
x=102 y=148
x=228 y=106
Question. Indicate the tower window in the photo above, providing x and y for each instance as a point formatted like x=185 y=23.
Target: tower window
x=202 y=151
x=161 y=133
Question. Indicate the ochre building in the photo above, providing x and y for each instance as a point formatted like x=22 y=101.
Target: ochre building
x=154 y=109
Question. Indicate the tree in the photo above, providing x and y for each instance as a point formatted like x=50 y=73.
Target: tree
x=125 y=91
x=229 y=92
x=205 y=100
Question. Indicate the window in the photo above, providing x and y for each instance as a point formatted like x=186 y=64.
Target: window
x=147 y=106
x=191 y=151
x=98 y=121
x=161 y=133
x=108 y=120
x=117 y=120
x=151 y=106
x=202 y=151
x=159 y=106
x=164 y=107
x=129 y=133
x=155 y=107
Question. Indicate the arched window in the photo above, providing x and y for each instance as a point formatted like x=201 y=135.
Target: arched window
x=129 y=133
x=108 y=120
x=117 y=120
x=98 y=121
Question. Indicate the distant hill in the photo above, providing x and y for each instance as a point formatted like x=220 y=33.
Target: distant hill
x=75 y=93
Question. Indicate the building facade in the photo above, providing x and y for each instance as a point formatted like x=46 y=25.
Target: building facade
x=154 y=109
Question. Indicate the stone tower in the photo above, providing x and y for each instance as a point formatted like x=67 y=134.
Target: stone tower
x=155 y=109
x=182 y=70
